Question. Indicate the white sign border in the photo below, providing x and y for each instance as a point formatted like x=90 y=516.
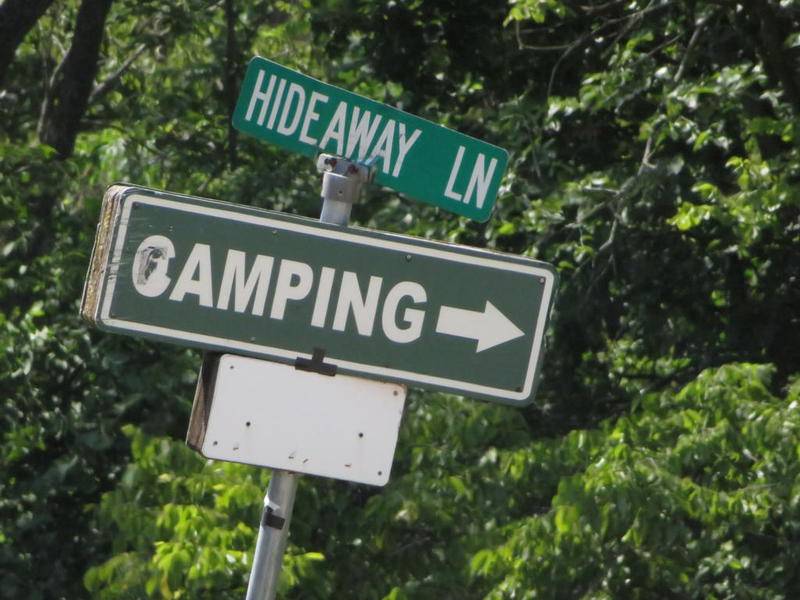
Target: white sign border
x=342 y=235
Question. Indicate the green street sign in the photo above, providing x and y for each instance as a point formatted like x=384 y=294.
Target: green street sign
x=232 y=278
x=423 y=160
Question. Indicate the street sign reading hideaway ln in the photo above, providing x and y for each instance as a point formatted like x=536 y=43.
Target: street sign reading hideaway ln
x=396 y=308
x=416 y=157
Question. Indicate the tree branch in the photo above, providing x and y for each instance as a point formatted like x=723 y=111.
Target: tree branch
x=68 y=97
x=17 y=17
x=645 y=163
x=230 y=78
x=594 y=10
x=102 y=88
x=778 y=63
x=577 y=44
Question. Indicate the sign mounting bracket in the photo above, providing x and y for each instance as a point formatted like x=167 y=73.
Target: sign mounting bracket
x=315 y=364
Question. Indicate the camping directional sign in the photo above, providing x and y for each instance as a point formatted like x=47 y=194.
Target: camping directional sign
x=416 y=157
x=390 y=307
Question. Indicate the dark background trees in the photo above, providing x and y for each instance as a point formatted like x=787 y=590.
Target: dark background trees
x=654 y=161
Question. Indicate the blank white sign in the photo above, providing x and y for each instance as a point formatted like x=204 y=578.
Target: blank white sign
x=273 y=415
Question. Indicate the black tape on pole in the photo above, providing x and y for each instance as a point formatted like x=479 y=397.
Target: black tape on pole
x=270 y=519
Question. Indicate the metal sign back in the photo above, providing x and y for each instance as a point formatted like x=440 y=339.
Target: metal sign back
x=268 y=414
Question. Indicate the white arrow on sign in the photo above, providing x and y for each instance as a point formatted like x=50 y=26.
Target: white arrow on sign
x=490 y=327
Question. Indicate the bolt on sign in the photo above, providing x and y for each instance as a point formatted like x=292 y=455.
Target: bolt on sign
x=238 y=279
x=421 y=159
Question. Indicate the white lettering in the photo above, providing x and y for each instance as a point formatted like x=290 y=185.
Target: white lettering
x=311 y=116
x=413 y=316
x=405 y=146
x=323 y=297
x=259 y=95
x=383 y=147
x=364 y=309
x=480 y=179
x=361 y=132
x=257 y=280
x=199 y=261
x=336 y=128
x=276 y=105
x=449 y=192
x=295 y=91
x=294 y=283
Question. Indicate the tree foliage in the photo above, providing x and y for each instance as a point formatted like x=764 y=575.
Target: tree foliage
x=692 y=495
x=654 y=160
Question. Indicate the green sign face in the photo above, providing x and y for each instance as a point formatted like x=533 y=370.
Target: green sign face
x=424 y=160
x=396 y=308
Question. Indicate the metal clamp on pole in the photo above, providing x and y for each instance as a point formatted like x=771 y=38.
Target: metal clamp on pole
x=342 y=181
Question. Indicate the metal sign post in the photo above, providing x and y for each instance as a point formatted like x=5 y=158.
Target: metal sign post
x=341 y=185
x=272 y=536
